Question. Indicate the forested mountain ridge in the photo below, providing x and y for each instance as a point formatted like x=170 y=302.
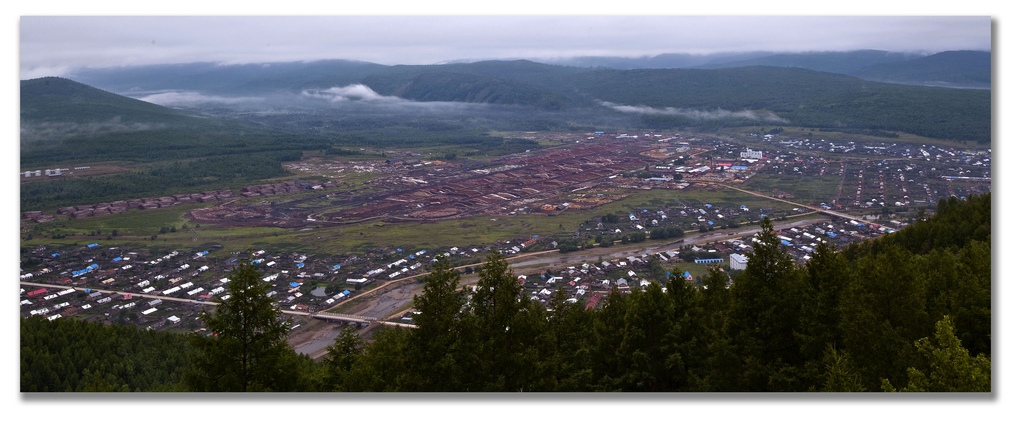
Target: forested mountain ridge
x=783 y=95
x=56 y=99
x=462 y=87
x=949 y=68
x=907 y=312
x=831 y=62
x=970 y=69
x=62 y=119
x=877 y=65
x=226 y=79
x=802 y=97
x=65 y=123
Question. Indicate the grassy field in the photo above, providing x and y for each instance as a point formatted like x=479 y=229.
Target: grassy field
x=806 y=189
x=139 y=227
x=490 y=229
x=136 y=222
x=904 y=138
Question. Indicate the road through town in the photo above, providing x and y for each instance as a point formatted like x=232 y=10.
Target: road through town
x=543 y=262
x=395 y=297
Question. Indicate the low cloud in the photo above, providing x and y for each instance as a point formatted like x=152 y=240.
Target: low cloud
x=57 y=131
x=356 y=92
x=44 y=71
x=359 y=95
x=699 y=115
x=188 y=98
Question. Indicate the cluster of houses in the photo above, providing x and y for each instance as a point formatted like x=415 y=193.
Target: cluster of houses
x=114 y=284
x=174 y=282
x=49 y=172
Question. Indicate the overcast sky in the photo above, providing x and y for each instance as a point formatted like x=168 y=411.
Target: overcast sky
x=51 y=45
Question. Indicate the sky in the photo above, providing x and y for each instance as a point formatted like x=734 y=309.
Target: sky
x=440 y=30
x=52 y=45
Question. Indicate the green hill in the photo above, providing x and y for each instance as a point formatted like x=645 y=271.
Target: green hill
x=56 y=99
x=803 y=98
x=63 y=120
x=65 y=123
x=831 y=62
x=779 y=94
x=461 y=87
x=971 y=69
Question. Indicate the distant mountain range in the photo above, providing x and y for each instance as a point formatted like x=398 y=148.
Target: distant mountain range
x=840 y=91
x=957 y=69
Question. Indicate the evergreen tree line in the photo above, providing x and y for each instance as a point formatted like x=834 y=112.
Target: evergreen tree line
x=70 y=355
x=215 y=173
x=910 y=311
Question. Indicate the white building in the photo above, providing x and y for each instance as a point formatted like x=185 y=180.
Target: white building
x=738 y=262
x=751 y=154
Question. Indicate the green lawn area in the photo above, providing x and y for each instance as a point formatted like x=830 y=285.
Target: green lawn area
x=136 y=222
x=806 y=189
x=490 y=229
x=138 y=227
x=904 y=138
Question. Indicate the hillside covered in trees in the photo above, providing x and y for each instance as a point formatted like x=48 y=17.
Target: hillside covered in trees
x=910 y=311
x=783 y=91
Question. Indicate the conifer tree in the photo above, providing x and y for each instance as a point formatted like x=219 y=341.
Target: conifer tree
x=828 y=274
x=435 y=343
x=839 y=376
x=247 y=349
x=505 y=325
x=687 y=340
x=341 y=356
x=722 y=368
x=568 y=338
x=384 y=365
x=764 y=314
x=645 y=346
x=950 y=367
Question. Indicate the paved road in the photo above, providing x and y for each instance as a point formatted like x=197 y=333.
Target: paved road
x=812 y=208
x=400 y=292
x=648 y=247
x=390 y=298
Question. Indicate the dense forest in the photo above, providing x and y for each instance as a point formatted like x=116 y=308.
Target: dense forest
x=910 y=311
x=798 y=97
x=69 y=355
x=793 y=93
x=157 y=180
